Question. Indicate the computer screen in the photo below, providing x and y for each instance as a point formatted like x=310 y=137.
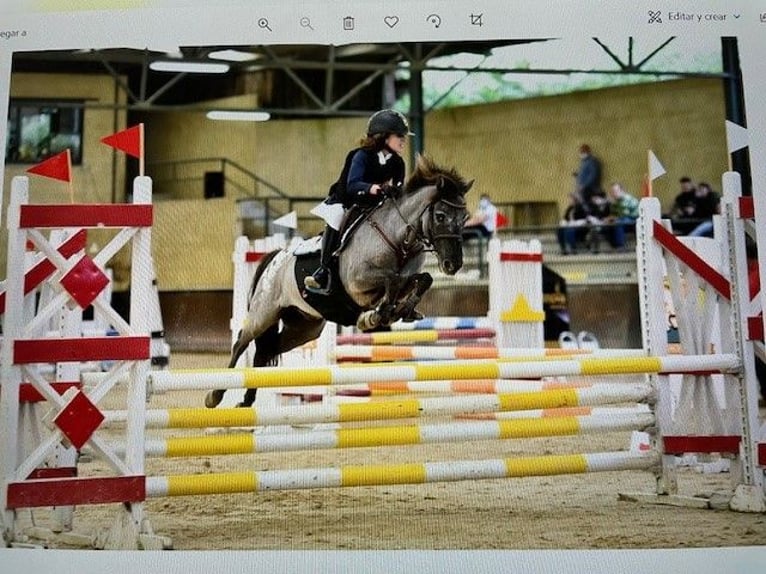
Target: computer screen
x=236 y=122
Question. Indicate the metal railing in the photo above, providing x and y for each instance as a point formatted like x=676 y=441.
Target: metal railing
x=238 y=182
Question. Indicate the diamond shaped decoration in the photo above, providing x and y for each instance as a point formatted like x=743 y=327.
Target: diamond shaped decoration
x=84 y=281
x=79 y=419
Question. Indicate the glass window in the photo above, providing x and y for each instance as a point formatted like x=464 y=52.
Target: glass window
x=38 y=130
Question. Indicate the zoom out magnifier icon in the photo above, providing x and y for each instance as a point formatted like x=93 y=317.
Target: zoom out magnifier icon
x=263 y=23
x=305 y=22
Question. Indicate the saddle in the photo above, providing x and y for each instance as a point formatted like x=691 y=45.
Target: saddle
x=337 y=306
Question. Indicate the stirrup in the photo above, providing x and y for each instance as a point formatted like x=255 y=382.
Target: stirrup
x=319 y=290
x=313 y=286
x=310 y=283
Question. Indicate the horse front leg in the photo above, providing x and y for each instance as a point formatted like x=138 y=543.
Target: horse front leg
x=384 y=312
x=394 y=285
x=414 y=290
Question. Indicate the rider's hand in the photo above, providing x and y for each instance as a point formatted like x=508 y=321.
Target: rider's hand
x=388 y=190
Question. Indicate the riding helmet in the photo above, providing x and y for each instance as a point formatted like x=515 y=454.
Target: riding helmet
x=388 y=121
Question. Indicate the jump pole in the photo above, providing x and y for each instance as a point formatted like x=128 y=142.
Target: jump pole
x=264 y=377
x=379 y=353
x=395 y=409
x=415 y=336
x=382 y=475
x=441 y=323
x=250 y=443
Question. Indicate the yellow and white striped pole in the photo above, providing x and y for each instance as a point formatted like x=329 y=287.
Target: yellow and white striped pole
x=264 y=377
x=380 y=475
x=249 y=443
x=395 y=409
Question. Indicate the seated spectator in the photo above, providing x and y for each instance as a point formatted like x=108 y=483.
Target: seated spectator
x=708 y=203
x=684 y=206
x=573 y=227
x=482 y=223
x=623 y=214
x=597 y=214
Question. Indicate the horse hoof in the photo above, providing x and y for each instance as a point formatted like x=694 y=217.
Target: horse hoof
x=213 y=399
x=368 y=320
x=414 y=315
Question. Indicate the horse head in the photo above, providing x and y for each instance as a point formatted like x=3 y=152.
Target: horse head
x=445 y=211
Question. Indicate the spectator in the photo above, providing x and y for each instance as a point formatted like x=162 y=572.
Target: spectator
x=598 y=213
x=707 y=204
x=684 y=206
x=482 y=223
x=573 y=227
x=588 y=174
x=623 y=214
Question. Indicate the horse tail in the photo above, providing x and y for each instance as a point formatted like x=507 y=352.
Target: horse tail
x=259 y=271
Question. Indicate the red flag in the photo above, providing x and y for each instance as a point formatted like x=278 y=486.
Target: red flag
x=501 y=220
x=131 y=141
x=58 y=167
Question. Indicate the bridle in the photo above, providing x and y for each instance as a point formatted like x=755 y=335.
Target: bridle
x=416 y=239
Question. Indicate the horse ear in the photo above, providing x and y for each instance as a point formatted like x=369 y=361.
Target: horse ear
x=468 y=186
x=440 y=183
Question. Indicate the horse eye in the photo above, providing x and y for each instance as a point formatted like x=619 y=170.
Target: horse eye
x=440 y=217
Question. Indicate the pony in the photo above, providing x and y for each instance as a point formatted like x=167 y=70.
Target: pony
x=378 y=266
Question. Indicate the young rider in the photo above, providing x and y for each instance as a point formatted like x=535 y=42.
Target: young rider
x=369 y=171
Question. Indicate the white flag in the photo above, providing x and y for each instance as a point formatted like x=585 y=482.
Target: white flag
x=656 y=169
x=332 y=213
x=289 y=220
x=736 y=137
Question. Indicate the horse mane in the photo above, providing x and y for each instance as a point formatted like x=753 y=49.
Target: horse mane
x=428 y=173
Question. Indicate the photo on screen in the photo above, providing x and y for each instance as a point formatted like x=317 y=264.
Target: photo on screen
x=241 y=143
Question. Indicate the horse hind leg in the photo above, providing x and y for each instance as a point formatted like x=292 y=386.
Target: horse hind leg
x=296 y=330
x=213 y=398
x=267 y=351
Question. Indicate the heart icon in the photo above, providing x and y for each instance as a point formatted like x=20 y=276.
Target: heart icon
x=391 y=21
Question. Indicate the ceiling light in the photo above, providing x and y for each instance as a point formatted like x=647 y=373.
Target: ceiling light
x=189 y=67
x=238 y=116
x=233 y=55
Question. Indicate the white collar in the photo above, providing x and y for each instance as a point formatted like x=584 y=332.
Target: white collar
x=383 y=157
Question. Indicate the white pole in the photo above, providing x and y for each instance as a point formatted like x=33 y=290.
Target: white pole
x=651 y=279
x=10 y=374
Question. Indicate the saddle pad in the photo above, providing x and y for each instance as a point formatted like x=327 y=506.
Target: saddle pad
x=337 y=307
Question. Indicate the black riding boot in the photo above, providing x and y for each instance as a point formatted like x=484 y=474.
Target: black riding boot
x=320 y=282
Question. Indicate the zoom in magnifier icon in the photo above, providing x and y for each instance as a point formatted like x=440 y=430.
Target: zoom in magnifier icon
x=305 y=22
x=264 y=24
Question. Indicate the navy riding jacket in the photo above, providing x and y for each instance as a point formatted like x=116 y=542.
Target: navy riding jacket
x=363 y=168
